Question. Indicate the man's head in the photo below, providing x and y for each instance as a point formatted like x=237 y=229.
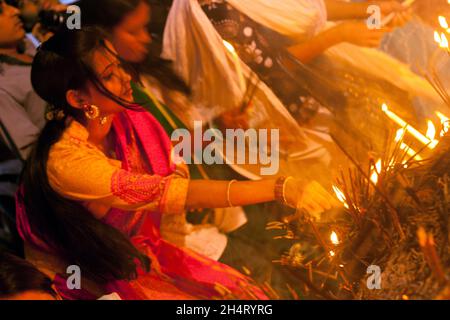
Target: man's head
x=19 y=280
x=12 y=31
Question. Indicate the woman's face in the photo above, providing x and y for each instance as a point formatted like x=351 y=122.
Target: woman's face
x=113 y=77
x=131 y=37
x=11 y=27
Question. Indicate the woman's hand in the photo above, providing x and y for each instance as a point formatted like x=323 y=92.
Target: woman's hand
x=358 y=33
x=311 y=197
x=402 y=14
x=234 y=119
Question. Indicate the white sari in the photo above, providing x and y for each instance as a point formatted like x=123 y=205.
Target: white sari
x=215 y=76
x=302 y=19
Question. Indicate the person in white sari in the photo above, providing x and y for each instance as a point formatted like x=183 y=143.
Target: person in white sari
x=338 y=60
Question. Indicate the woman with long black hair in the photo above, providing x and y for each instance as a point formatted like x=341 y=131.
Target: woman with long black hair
x=128 y=25
x=100 y=177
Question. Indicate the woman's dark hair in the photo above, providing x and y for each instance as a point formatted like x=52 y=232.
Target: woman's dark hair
x=102 y=252
x=107 y=14
x=18 y=276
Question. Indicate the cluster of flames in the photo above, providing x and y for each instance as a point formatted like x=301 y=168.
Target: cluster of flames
x=440 y=36
x=429 y=140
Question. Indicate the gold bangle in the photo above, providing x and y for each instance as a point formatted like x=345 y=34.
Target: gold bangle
x=230 y=205
x=280 y=190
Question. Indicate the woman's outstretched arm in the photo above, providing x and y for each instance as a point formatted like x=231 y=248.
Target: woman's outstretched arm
x=214 y=194
x=355 y=32
x=339 y=10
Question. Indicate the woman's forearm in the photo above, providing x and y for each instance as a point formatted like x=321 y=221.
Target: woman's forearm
x=310 y=49
x=339 y=10
x=214 y=194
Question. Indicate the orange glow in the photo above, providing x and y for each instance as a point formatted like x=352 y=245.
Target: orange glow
x=334 y=238
x=414 y=132
x=341 y=197
x=376 y=172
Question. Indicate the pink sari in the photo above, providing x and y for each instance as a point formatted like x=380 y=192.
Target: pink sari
x=181 y=273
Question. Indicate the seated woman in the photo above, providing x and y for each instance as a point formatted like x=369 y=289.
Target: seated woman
x=20 y=280
x=228 y=235
x=101 y=176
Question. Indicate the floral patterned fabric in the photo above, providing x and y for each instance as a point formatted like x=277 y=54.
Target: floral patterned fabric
x=262 y=49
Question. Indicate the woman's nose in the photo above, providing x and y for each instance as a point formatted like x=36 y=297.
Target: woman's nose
x=125 y=76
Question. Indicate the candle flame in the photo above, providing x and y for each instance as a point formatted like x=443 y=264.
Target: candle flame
x=442 y=117
x=402 y=123
x=229 y=46
x=441 y=39
x=334 y=238
x=437 y=37
x=443 y=22
x=341 y=197
x=431 y=132
x=444 y=41
x=376 y=172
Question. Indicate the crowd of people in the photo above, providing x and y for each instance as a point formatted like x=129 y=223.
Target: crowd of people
x=88 y=174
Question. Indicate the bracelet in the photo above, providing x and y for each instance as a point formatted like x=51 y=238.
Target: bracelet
x=280 y=190
x=230 y=205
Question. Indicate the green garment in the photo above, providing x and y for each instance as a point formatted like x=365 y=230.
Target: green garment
x=146 y=102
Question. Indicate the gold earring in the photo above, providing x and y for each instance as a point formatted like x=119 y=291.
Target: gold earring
x=91 y=111
x=103 y=120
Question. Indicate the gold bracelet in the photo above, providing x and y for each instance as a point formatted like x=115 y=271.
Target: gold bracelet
x=280 y=190
x=230 y=205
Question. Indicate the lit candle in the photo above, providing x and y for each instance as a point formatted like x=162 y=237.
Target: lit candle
x=237 y=62
x=405 y=147
x=334 y=238
x=402 y=123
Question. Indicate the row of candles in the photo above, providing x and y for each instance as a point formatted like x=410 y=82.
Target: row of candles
x=428 y=139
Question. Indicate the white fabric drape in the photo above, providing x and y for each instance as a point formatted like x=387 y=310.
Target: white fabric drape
x=201 y=59
x=298 y=19
x=302 y=19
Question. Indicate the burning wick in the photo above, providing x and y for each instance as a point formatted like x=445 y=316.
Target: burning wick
x=334 y=238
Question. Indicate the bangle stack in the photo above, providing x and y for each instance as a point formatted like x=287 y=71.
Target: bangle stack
x=280 y=190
